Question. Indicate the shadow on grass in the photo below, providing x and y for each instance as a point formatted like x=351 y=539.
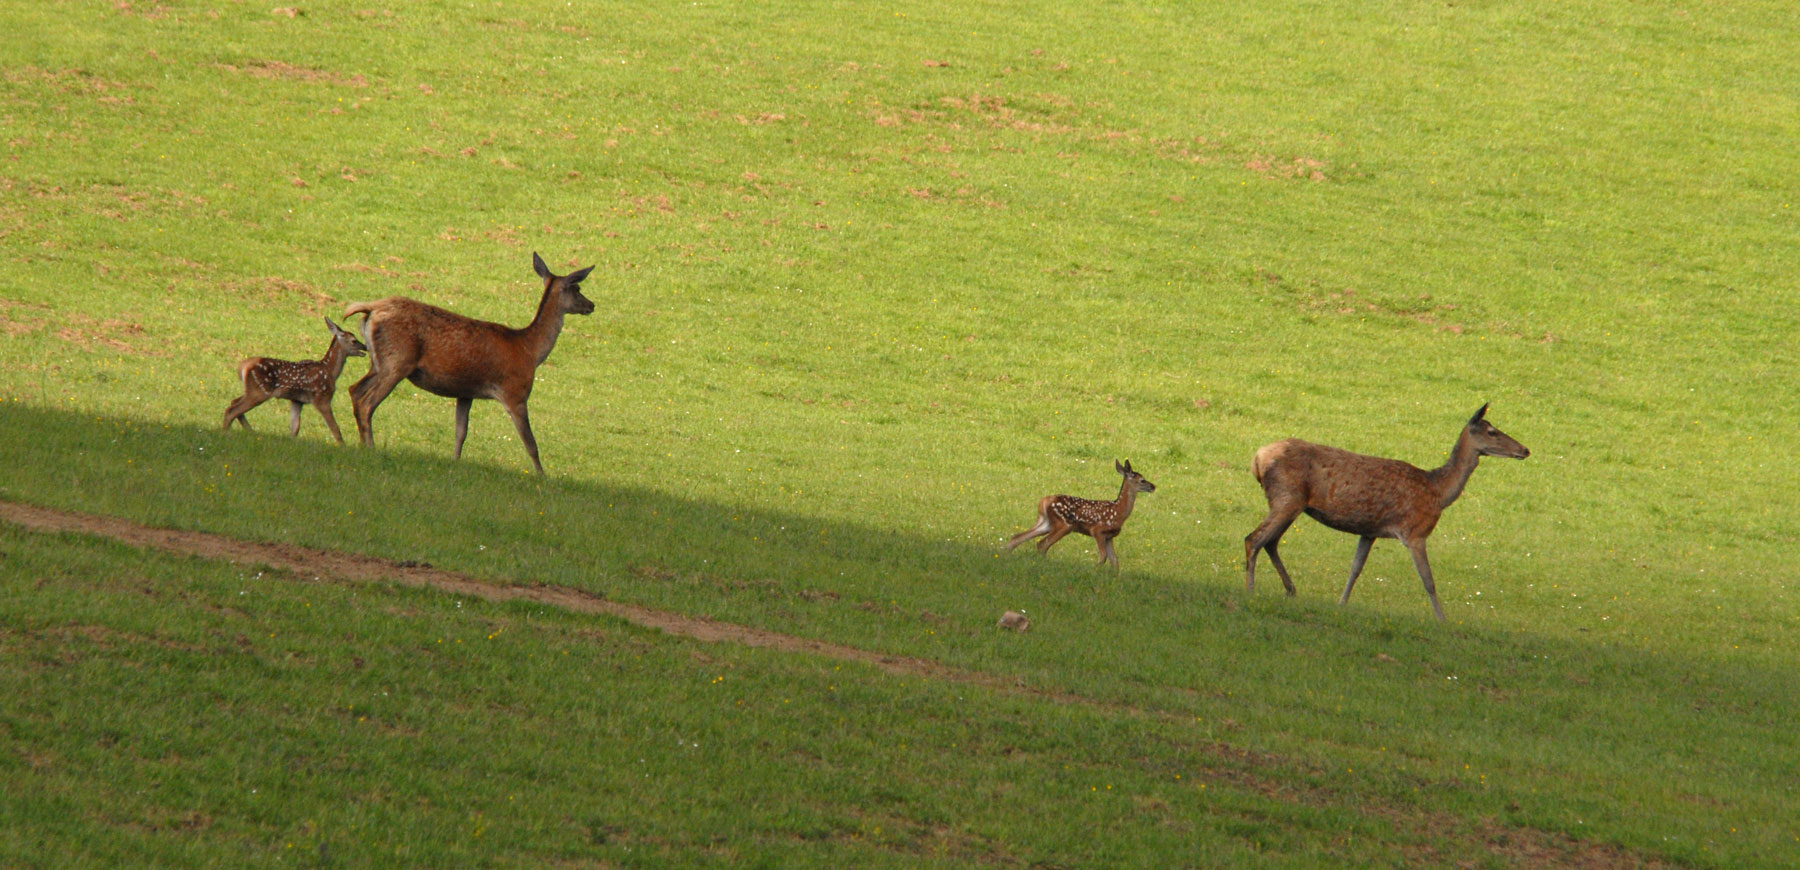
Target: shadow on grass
x=1306 y=678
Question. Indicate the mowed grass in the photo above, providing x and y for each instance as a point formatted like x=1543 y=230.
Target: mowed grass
x=874 y=280
x=176 y=712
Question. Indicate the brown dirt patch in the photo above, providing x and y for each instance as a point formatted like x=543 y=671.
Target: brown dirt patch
x=275 y=69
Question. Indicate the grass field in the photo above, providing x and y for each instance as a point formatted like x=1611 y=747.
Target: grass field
x=871 y=281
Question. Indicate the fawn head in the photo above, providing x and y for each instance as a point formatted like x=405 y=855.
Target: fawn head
x=568 y=287
x=349 y=343
x=1490 y=441
x=1136 y=480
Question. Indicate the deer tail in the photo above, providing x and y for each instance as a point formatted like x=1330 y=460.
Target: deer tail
x=244 y=366
x=1266 y=457
x=356 y=308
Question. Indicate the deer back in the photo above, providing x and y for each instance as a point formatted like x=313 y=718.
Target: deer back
x=1350 y=492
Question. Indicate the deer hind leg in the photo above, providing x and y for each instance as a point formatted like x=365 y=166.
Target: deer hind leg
x=522 y=420
x=462 y=424
x=1057 y=532
x=1363 y=544
x=323 y=403
x=1424 y=565
x=238 y=408
x=367 y=395
x=294 y=416
x=1042 y=528
x=1268 y=537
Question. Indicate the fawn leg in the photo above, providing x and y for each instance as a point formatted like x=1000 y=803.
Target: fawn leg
x=1054 y=536
x=1107 y=553
x=522 y=419
x=462 y=423
x=237 y=409
x=294 y=416
x=1424 y=566
x=1356 y=565
x=1042 y=527
x=323 y=403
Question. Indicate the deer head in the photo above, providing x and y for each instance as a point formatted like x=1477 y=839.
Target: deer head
x=1490 y=441
x=348 y=343
x=567 y=287
x=1135 y=479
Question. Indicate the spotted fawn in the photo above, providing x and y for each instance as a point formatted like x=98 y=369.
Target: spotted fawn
x=1059 y=515
x=301 y=383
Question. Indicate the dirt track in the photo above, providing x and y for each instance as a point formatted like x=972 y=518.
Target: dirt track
x=333 y=564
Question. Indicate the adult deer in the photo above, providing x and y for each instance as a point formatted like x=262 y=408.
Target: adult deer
x=1367 y=496
x=301 y=383
x=460 y=357
x=1059 y=515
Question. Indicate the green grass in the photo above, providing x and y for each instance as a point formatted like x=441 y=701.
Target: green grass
x=859 y=311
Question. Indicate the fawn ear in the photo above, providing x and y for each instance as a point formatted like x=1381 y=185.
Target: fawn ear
x=1480 y=414
x=332 y=326
x=537 y=264
x=577 y=276
x=1121 y=468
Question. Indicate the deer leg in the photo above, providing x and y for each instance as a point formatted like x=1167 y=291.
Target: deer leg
x=1042 y=528
x=1424 y=566
x=294 y=416
x=462 y=423
x=1107 y=553
x=237 y=409
x=522 y=419
x=1056 y=534
x=323 y=403
x=367 y=395
x=1268 y=537
x=1363 y=545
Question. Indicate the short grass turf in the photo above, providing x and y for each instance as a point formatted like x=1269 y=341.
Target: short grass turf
x=873 y=280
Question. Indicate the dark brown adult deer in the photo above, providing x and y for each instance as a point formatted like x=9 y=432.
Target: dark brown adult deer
x=460 y=357
x=301 y=383
x=1366 y=496
x=1059 y=515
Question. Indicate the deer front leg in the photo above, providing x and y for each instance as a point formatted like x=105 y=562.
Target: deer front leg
x=462 y=423
x=1107 y=553
x=522 y=420
x=1363 y=545
x=294 y=416
x=323 y=403
x=1424 y=566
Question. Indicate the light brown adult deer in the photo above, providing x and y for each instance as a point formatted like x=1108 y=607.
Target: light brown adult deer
x=460 y=357
x=301 y=383
x=1367 y=496
x=1059 y=515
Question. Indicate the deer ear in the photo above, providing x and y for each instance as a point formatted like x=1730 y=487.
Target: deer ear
x=1480 y=414
x=332 y=326
x=1117 y=467
x=578 y=276
x=537 y=264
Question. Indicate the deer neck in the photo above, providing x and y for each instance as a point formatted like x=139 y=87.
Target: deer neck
x=333 y=363
x=545 y=327
x=1450 y=478
x=1127 y=500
